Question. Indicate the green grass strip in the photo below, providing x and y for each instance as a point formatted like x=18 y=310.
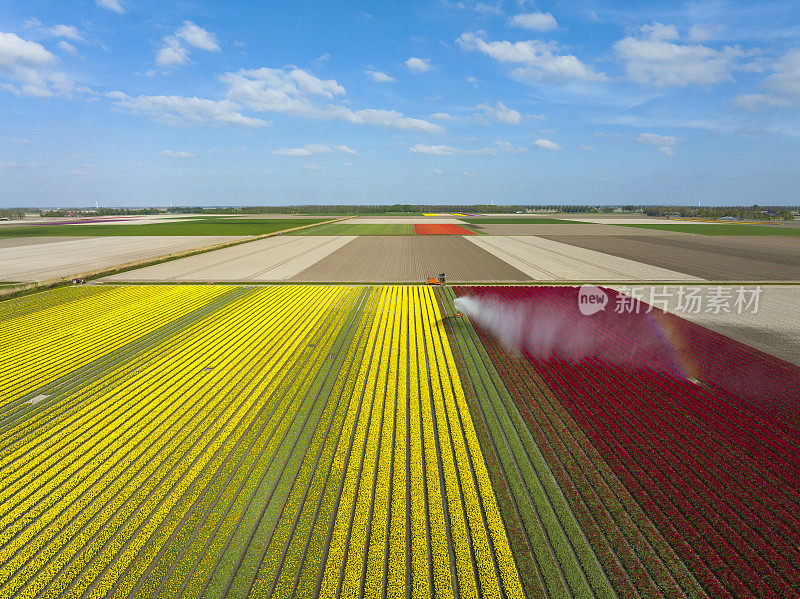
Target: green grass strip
x=722 y=229
x=198 y=226
x=357 y=229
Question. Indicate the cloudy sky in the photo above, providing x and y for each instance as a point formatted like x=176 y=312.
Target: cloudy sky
x=139 y=102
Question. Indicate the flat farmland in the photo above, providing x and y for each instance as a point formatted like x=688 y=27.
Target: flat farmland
x=24 y=261
x=708 y=257
x=189 y=226
x=549 y=260
x=399 y=259
x=566 y=228
x=716 y=228
x=398 y=220
x=280 y=441
x=272 y=259
x=351 y=228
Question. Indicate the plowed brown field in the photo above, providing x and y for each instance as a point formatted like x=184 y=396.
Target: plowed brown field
x=395 y=259
x=711 y=258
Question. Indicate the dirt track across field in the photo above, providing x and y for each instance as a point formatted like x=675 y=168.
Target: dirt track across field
x=567 y=229
x=548 y=260
x=711 y=258
x=272 y=259
x=413 y=259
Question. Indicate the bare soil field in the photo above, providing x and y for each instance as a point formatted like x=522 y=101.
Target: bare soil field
x=44 y=261
x=711 y=258
x=565 y=229
x=271 y=259
x=413 y=259
x=548 y=260
x=774 y=328
x=13 y=242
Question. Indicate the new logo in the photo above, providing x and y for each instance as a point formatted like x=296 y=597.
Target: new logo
x=591 y=300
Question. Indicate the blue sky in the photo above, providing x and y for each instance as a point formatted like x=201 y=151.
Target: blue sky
x=134 y=102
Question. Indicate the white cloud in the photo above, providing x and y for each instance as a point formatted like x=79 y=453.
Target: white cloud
x=758 y=101
x=297 y=92
x=346 y=150
x=112 y=5
x=176 y=110
x=538 y=57
x=67 y=47
x=178 y=154
x=16 y=52
x=659 y=31
x=546 y=144
x=587 y=148
x=782 y=86
x=379 y=76
x=442 y=116
x=499 y=146
x=418 y=65
x=174 y=53
x=655 y=60
x=536 y=21
x=785 y=81
x=436 y=171
x=27 y=64
x=509 y=148
x=468 y=174
x=31 y=23
x=315 y=150
x=313 y=167
x=307 y=150
x=501 y=113
x=197 y=36
x=69 y=32
x=657 y=140
x=700 y=33
x=435 y=150
x=667 y=150
x=20 y=165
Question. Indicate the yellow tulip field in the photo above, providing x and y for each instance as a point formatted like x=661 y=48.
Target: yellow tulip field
x=225 y=441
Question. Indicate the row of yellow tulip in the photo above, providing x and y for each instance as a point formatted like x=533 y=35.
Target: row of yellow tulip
x=146 y=390
x=84 y=491
x=454 y=522
x=302 y=440
x=40 y=347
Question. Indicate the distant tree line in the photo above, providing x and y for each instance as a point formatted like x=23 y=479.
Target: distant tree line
x=754 y=212
x=12 y=213
x=100 y=211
